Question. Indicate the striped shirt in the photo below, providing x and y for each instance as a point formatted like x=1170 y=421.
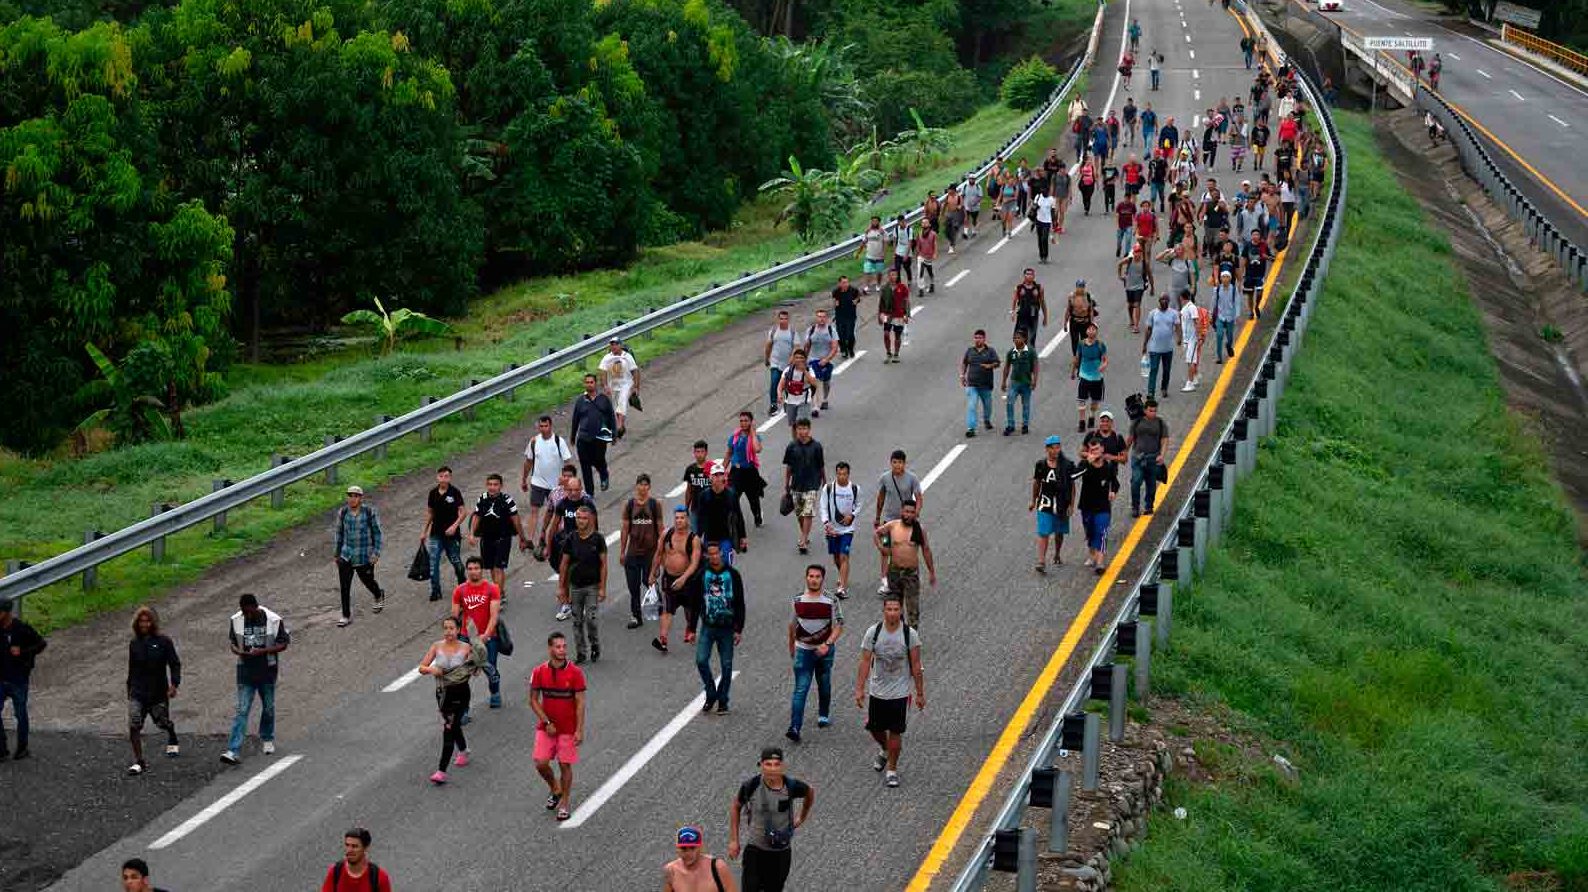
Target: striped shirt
x=358 y=535
x=814 y=619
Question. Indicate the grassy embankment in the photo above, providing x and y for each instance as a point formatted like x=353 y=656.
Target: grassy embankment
x=1400 y=603
x=291 y=408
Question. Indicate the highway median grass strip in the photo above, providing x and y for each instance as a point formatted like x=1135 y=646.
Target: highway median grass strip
x=291 y=409
x=1400 y=601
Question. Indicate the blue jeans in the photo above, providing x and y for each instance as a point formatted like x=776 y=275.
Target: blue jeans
x=17 y=693
x=1143 y=470
x=492 y=676
x=1146 y=136
x=806 y=664
x=722 y=640
x=1021 y=392
x=773 y=376
x=974 y=395
x=245 y=704
x=452 y=545
x=1155 y=193
x=1223 y=336
x=1158 y=361
x=1096 y=525
x=1123 y=238
x=1303 y=200
x=1155 y=78
x=1248 y=55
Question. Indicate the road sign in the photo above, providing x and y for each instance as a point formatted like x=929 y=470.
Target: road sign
x=1421 y=44
x=1518 y=15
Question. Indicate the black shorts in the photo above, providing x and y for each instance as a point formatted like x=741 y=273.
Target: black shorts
x=1089 y=390
x=1133 y=296
x=495 y=551
x=887 y=715
x=672 y=600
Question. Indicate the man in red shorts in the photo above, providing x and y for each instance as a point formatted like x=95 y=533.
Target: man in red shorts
x=556 y=694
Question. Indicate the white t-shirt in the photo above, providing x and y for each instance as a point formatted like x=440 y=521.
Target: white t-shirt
x=1188 y=323
x=836 y=502
x=619 y=368
x=1045 y=205
x=548 y=454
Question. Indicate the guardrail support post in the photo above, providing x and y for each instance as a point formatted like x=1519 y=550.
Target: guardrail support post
x=424 y=432
x=220 y=519
x=1059 y=815
x=91 y=575
x=1190 y=547
x=512 y=392
x=157 y=547
x=1026 y=878
x=1218 y=494
x=1090 y=744
x=1244 y=445
x=468 y=413
x=330 y=471
x=380 y=451
x=1201 y=510
x=1116 y=704
x=16 y=566
x=1163 y=616
x=1143 y=657
x=278 y=496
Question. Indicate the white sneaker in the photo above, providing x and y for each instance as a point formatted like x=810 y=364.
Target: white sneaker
x=135 y=769
x=880 y=762
x=1188 y=387
x=270 y=748
x=564 y=613
x=892 y=779
x=173 y=750
x=882 y=588
x=230 y=758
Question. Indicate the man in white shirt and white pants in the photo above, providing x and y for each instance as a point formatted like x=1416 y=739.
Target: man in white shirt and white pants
x=620 y=374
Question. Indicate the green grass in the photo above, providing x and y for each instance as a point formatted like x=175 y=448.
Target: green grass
x=1400 y=602
x=291 y=408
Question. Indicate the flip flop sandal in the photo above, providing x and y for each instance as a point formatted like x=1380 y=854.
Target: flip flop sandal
x=563 y=814
x=552 y=801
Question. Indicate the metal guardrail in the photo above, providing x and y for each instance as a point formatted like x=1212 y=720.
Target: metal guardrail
x=169 y=519
x=1179 y=554
x=1475 y=160
x=1566 y=57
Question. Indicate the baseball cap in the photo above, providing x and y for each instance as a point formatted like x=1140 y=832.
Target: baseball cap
x=614 y=340
x=1051 y=441
x=680 y=509
x=688 y=837
x=717 y=467
x=1080 y=283
x=1106 y=414
x=1225 y=274
x=355 y=490
x=772 y=752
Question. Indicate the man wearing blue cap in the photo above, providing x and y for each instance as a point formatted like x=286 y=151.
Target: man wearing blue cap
x=694 y=870
x=1052 y=498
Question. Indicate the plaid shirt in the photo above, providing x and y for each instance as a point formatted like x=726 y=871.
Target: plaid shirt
x=358 y=536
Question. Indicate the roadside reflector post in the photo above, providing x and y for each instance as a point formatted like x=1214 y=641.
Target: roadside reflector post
x=1006 y=851
x=91 y=574
x=330 y=470
x=220 y=519
x=380 y=451
x=424 y=432
x=1116 y=702
x=1239 y=431
x=1185 y=538
x=1059 y=819
x=1267 y=396
x=1039 y=793
x=1143 y=655
x=1201 y=509
x=1168 y=573
x=1218 y=494
x=1090 y=744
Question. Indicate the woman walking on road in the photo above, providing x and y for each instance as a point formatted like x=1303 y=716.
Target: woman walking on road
x=452 y=663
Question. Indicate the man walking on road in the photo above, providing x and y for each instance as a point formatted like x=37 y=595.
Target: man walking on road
x=620 y=377
x=492 y=527
x=744 y=464
x=1086 y=369
x=821 y=351
x=775 y=355
x=846 y=311
x=583 y=582
x=804 y=472
x=813 y=631
x=903 y=546
x=721 y=520
x=1193 y=331
x=355 y=872
x=694 y=870
x=893 y=314
x=1046 y=206
x=544 y=456
x=1028 y=308
x=896 y=486
x=20 y=645
x=1158 y=343
x=1149 y=438
x=1052 y=498
x=561 y=519
x=478 y=602
x=697 y=479
x=1226 y=308
x=642 y=527
x=592 y=430
x=797 y=390
x=1096 y=485
x=1020 y=367
x=720 y=619
x=443 y=532
x=154 y=672
x=765 y=803
x=258 y=636
x=677 y=560
x=890 y=658
x=838 y=503
x=358 y=543
x=556 y=694
x=976 y=369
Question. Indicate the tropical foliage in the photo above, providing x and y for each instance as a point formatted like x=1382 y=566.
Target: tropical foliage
x=1028 y=84
x=391 y=325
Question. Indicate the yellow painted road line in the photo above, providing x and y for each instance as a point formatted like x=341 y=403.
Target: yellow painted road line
x=986 y=776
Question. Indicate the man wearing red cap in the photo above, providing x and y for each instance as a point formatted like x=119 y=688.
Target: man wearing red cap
x=694 y=870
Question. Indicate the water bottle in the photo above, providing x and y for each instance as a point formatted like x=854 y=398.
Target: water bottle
x=1146 y=366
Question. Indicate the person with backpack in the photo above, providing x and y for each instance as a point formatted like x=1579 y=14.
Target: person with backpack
x=1080 y=310
x=890 y=659
x=744 y=463
x=1086 y=177
x=719 y=623
x=453 y=662
x=1052 y=500
x=821 y=350
x=694 y=870
x=355 y=872
x=545 y=453
x=836 y=505
x=358 y=542
x=674 y=574
x=1028 y=308
x=765 y=804
x=642 y=527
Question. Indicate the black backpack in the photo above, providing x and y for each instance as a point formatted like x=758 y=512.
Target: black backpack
x=1135 y=406
x=373 y=873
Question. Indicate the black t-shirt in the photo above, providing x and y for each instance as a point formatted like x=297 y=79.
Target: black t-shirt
x=1216 y=218
x=1284 y=155
x=569 y=509
x=585 y=557
x=976 y=361
x=846 y=300
x=806 y=461
x=1097 y=485
x=494 y=516
x=698 y=478
x=1053 y=492
x=1260 y=134
x=1113 y=444
x=444 y=508
x=1028 y=301
x=1157 y=170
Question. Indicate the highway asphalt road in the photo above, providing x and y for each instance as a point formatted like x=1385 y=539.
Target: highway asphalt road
x=360 y=753
x=1538 y=115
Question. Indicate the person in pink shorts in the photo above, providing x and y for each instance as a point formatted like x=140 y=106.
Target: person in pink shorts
x=556 y=694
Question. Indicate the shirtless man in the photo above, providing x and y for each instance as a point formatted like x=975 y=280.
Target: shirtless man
x=931 y=211
x=673 y=573
x=694 y=870
x=953 y=216
x=903 y=543
x=1079 y=312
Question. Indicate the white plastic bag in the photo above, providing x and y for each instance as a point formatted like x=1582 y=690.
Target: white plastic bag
x=650 y=604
